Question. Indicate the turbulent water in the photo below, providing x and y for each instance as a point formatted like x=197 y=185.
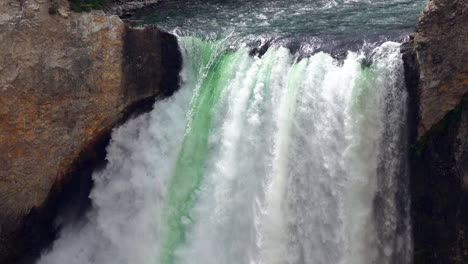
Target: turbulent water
x=334 y=26
x=272 y=159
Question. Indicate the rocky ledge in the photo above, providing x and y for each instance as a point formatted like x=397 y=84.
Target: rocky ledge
x=436 y=66
x=65 y=81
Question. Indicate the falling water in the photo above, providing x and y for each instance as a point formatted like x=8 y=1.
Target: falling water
x=266 y=159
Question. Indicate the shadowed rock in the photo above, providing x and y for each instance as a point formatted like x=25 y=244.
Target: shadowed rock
x=436 y=71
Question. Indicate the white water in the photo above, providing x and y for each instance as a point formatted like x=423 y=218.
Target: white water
x=268 y=161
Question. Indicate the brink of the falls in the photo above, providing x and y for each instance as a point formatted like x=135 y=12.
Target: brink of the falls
x=269 y=159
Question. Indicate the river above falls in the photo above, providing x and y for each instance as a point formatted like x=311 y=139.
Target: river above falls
x=307 y=26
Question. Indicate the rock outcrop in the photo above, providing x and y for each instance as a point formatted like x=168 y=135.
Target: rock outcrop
x=436 y=66
x=440 y=52
x=65 y=81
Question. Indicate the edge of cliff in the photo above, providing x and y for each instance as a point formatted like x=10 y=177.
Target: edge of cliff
x=436 y=71
x=66 y=81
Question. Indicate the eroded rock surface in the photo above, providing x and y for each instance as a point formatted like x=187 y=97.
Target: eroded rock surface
x=439 y=47
x=436 y=66
x=439 y=190
x=63 y=86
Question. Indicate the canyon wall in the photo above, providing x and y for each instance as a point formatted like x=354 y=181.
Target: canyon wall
x=439 y=47
x=436 y=66
x=65 y=81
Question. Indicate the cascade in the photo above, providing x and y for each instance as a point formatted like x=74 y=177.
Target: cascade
x=271 y=152
x=271 y=159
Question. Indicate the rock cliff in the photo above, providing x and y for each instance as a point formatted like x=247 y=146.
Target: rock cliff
x=436 y=66
x=65 y=81
x=440 y=54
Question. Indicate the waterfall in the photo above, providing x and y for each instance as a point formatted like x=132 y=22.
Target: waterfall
x=256 y=160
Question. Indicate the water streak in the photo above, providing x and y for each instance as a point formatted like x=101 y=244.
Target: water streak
x=256 y=160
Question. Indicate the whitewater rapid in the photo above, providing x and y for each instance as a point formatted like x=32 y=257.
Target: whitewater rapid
x=256 y=160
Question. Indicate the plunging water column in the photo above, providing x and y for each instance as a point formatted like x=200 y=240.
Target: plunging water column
x=268 y=160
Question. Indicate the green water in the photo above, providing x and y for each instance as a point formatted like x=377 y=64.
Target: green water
x=191 y=162
x=285 y=129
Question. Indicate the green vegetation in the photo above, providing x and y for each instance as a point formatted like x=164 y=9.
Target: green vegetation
x=86 y=5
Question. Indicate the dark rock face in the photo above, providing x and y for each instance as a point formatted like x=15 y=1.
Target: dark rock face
x=152 y=60
x=436 y=71
x=439 y=189
x=65 y=82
